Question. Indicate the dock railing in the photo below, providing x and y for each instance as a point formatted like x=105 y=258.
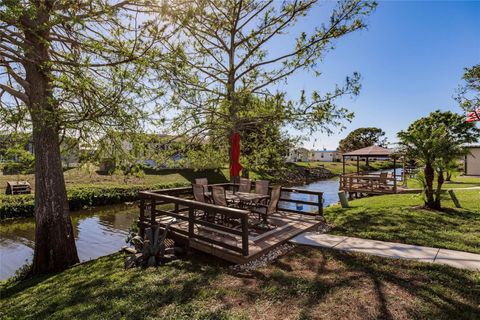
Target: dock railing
x=366 y=182
x=177 y=203
x=187 y=210
x=316 y=203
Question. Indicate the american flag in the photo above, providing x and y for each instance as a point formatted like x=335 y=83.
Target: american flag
x=474 y=115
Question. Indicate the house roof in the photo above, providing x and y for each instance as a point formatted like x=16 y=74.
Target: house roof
x=472 y=146
x=372 y=151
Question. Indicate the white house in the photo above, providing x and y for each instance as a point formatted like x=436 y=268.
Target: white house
x=298 y=155
x=472 y=161
x=324 y=155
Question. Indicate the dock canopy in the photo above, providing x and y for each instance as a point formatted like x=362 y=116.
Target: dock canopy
x=367 y=181
x=372 y=151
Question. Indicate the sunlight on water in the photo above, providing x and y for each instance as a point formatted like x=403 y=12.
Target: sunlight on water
x=328 y=187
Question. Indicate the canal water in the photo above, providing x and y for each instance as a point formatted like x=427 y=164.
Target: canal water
x=98 y=232
x=103 y=230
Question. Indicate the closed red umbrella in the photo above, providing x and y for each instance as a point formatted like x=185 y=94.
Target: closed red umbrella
x=235 y=166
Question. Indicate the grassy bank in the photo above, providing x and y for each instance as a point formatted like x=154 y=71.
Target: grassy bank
x=400 y=218
x=79 y=196
x=89 y=176
x=304 y=284
x=102 y=190
x=457 y=181
x=350 y=166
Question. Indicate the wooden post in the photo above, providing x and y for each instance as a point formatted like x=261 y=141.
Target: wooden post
x=191 y=222
x=141 y=227
x=394 y=175
x=454 y=198
x=358 y=165
x=343 y=164
x=152 y=213
x=343 y=199
x=244 y=235
x=320 y=203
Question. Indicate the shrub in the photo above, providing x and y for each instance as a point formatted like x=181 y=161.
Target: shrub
x=16 y=206
x=79 y=196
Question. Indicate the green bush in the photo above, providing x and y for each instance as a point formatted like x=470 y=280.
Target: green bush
x=16 y=206
x=20 y=161
x=79 y=196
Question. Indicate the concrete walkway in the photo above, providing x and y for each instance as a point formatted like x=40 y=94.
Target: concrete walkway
x=457 y=259
x=416 y=190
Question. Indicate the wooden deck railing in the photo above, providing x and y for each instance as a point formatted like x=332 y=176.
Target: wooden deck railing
x=368 y=183
x=185 y=210
x=177 y=203
x=286 y=198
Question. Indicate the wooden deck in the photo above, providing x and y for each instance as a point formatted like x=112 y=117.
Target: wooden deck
x=369 y=183
x=238 y=243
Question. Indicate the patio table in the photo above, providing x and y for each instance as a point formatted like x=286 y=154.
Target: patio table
x=245 y=196
x=241 y=196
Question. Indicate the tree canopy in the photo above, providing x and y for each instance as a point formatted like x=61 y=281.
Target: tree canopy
x=362 y=138
x=76 y=69
x=223 y=52
x=468 y=94
x=435 y=141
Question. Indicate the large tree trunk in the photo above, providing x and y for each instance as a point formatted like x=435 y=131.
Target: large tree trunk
x=429 y=177
x=55 y=248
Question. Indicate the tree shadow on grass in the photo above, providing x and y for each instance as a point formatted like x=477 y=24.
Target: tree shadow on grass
x=417 y=227
x=449 y=293
x=101 y=288
x=365 y=283
x=340 y=284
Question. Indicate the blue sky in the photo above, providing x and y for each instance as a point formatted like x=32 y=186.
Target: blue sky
x=411 y=59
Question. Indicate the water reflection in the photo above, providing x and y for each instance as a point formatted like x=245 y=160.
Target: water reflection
x=98 y=232
x=328 y=187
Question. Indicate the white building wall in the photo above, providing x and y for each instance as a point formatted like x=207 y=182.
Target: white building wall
x=328 y=156
x=473 y=162
x=297 y=155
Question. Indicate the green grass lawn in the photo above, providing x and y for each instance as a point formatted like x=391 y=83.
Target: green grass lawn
x=88 y=175
x=307 y=283
x=456 y=182
x=350 y=166
x=400 y=218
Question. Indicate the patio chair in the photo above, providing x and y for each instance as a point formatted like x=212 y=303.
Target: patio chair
x=219 y=198
x=199 y=195
x=274 y=199
x=261 y=186
x=203 y=182
x=245 y=185
x=271 y=207
x=218 y=195
x=382 y=181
